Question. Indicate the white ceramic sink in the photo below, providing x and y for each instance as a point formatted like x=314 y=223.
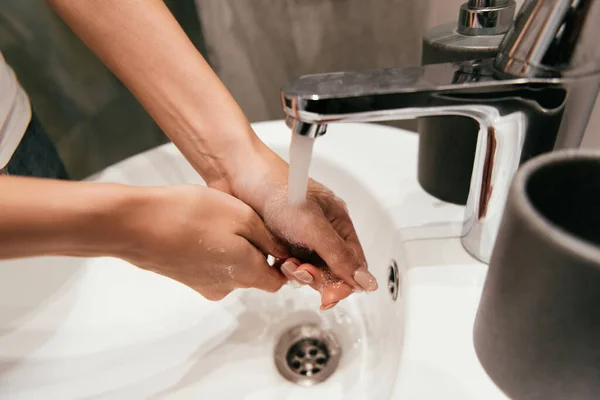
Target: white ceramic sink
x=100 y=328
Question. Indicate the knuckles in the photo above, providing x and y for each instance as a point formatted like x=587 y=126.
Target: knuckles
x=247 y=215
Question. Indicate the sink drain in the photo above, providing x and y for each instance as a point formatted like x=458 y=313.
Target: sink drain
x=394 y=280
x=307 y=355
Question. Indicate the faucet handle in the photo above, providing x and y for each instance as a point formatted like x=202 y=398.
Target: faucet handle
x=552 y=38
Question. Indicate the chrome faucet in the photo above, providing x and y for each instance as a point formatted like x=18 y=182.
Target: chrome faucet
x=536 y=96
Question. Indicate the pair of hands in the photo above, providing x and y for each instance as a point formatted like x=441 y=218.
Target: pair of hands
x=186 y=228
x=214 y=242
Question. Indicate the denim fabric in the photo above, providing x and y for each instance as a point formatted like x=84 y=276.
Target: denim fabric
x=36 y=155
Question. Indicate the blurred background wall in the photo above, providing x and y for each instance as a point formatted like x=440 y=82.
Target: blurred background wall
x=254 y=45
x=91 y=116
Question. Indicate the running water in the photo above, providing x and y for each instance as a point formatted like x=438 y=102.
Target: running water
x=301 y=149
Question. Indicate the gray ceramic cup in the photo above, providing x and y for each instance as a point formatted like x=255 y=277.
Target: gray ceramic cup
x=537 y=330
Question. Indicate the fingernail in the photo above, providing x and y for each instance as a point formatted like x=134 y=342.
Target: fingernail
x=365 y=279
x=289 y=267
x=303 y=276
x=287 y=274
x=329 y=307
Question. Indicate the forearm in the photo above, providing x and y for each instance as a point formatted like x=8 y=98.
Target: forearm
x=146 y=48
x=47 y=217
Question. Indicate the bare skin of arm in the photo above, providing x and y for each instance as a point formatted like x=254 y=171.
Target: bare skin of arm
x=173 y=231
x=141 y=42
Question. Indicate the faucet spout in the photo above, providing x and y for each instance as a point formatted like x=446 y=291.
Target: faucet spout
x=505 y=110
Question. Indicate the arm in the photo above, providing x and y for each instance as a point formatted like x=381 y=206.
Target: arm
x=145 y=47
x=47 y=217
x=153 y=228
x=142 y=43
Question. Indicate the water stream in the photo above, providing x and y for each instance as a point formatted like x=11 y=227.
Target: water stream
x=301 y=149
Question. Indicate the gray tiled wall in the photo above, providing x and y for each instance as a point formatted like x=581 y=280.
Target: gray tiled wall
x=257 y=46
x=91 y=116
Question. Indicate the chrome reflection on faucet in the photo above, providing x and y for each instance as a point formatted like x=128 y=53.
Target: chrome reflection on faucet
x=535 y=97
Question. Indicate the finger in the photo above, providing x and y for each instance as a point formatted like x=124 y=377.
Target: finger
x=345 y=229
x=290 y=269
x=255 y=272
x=332 y=289
x=211 y=292
x=278 y=264
x=340 y=257
x=337 y=212
x=292 y=281
x=255 y=231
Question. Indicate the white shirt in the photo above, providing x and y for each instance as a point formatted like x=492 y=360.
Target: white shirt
x=15 y=112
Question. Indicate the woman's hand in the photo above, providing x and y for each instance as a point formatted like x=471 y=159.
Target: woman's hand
x=317 y=275
x=205 y=239
x=321 y=225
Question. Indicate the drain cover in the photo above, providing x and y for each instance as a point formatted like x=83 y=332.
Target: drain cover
x=307 y=355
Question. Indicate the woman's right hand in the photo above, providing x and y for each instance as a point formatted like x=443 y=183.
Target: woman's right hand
x=205 y=239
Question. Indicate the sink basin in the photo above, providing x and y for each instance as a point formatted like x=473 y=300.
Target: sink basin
x=100 y=328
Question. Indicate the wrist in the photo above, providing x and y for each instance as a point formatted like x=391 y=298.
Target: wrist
x=41 y=217
x=108 y=222
x=259 y=171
